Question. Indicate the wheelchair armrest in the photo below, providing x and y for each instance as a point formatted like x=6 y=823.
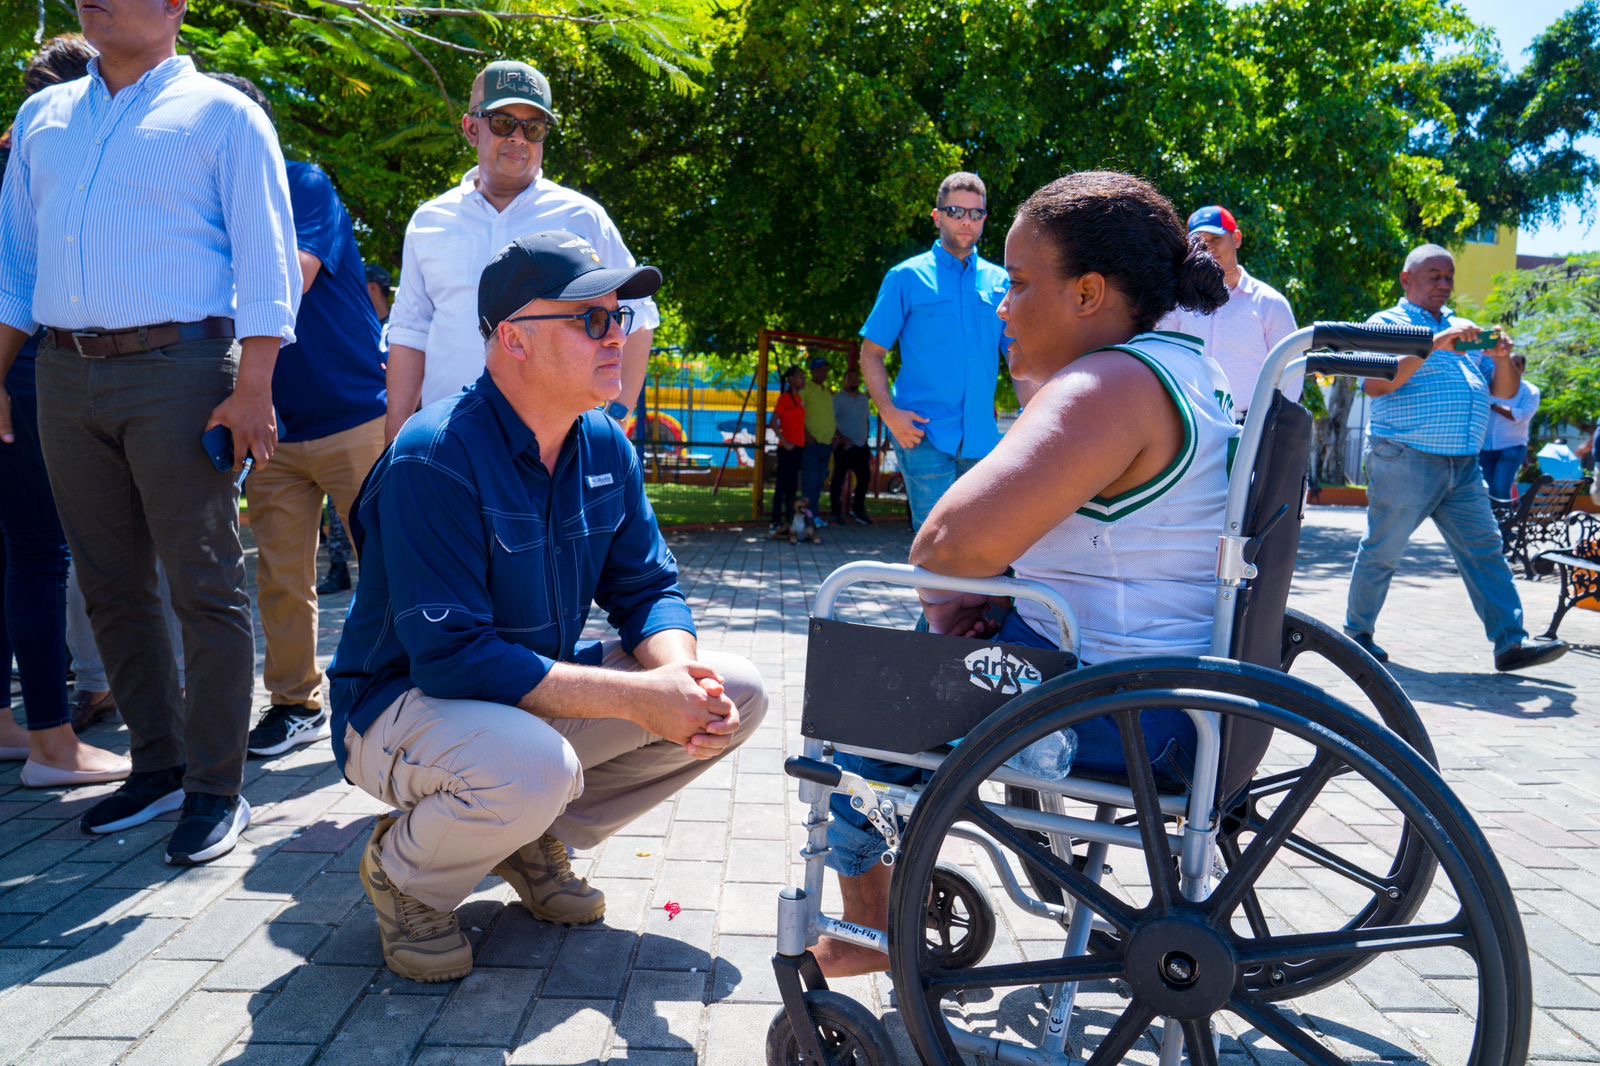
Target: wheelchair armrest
x=917 y=577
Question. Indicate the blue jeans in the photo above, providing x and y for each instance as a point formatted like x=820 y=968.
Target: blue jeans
x=855 y=847
x=1405 y=486
x=928 y=473
x=35 y=561
x=1500 y=466
x=814 y=473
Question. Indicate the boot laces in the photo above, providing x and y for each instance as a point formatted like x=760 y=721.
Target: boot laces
x=420 y=921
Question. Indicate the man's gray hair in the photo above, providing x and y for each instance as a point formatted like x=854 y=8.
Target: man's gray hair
x=1424 y=252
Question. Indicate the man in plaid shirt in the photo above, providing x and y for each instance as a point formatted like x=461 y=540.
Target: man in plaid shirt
x=1422 y=462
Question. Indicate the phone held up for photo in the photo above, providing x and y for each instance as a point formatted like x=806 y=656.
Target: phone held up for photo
x=1489 y=338
x=218 y=443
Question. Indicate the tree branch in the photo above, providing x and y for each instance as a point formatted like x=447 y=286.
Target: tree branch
x=437 y=80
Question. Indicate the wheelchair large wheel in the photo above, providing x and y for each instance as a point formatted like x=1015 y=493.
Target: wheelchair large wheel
x=1394 y=896
x=1189 y=959
x=851 y=1034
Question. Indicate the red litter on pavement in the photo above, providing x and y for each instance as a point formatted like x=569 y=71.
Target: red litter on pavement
x=673 y=909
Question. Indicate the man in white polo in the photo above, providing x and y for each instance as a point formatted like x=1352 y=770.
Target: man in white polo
x=1241 y=332
x=435 y=348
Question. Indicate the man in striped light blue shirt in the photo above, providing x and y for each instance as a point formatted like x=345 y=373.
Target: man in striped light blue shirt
x=145 y=223
x=1422 y=462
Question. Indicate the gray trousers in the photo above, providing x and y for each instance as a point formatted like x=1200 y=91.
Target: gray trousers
x=121 y=440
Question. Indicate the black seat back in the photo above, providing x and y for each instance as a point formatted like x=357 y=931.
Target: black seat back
x=1275 y=511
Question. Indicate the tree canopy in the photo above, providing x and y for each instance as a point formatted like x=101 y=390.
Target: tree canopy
x=774 y=157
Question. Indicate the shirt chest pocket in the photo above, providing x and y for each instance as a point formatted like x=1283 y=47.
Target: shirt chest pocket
x=519 y=574
x=932 y=317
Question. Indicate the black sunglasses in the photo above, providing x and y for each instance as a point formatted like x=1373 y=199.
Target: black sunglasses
x=977 y=214
x=535 y=129
x=596 y=320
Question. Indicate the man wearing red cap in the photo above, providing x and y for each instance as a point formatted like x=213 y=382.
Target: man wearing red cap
x=1242 y=331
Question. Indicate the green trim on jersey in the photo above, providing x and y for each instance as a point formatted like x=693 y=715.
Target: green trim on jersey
x=1109 y=509
x=1188 y=340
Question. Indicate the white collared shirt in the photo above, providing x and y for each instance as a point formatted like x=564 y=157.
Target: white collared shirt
x=1240 y=333
x=449 y=241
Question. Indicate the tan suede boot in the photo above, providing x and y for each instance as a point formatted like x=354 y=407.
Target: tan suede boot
x=542 y=875
x=419 y=942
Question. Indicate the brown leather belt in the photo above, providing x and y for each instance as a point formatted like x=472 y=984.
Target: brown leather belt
x=104 y=344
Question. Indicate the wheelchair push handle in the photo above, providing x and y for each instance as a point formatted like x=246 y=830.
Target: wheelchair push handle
x=1380 y=337
x=1353 y=364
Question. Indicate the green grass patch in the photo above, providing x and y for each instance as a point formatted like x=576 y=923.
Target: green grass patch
x=695 y=505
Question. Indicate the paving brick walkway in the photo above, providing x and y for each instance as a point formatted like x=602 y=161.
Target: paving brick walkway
x=271 y=954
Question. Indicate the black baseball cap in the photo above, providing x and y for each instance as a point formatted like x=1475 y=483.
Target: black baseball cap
x=380 y=276
x=555 y=265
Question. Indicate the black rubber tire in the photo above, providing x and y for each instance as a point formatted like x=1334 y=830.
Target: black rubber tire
x=960 y=925
x=1487 y=929
x=851 y=1034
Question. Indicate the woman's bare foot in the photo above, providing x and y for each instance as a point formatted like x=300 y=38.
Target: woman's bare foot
x=60 y=748
x=12 y=735
x=838 y=958
x=866 y=902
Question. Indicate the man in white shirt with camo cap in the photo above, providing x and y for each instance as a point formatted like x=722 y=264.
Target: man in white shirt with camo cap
x=435 y=348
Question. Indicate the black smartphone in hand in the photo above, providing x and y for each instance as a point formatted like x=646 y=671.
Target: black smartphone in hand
x=218 y=443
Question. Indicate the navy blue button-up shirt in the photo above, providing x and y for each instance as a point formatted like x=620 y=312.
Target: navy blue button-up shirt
x=478 y=565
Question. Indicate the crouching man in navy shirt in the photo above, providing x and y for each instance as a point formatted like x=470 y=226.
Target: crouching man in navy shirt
x=461 y=692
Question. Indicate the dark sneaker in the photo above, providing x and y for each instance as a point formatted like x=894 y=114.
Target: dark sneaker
x=1370 y=646
x=861 y=518
x=209 y=828
x=1529 y=653
x=338 y=580
x=143 y=796
x=287 y=725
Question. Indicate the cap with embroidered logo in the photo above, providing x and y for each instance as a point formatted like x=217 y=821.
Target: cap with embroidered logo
x=506 y=81
x=555 y=265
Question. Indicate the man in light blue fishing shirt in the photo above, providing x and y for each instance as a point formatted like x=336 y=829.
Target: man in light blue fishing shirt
x=145 y=223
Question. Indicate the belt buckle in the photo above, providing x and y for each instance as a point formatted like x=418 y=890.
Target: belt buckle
x=78 y=336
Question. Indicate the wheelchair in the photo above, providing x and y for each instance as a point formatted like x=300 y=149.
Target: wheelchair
x=1304 y=844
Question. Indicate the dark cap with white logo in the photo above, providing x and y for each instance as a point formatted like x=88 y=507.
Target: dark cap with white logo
x=555 y=265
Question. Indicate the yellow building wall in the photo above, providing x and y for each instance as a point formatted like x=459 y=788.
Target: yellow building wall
x=1479 y=260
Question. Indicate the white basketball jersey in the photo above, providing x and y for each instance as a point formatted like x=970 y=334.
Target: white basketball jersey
x=1140 y=568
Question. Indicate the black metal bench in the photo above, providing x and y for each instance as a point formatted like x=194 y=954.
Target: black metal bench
x=1578 y=564
x=1537 y=522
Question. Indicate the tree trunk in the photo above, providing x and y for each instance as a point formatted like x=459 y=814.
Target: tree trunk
x=1331 y=433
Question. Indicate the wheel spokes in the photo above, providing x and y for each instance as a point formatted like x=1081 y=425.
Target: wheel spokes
x=1348 y=943
x=1254 y=859
x=1274 y=1024
x=1097 y=899
x=1123 y=1034
x=1012 y=974
x=1198 y=1043
x=1329 y=861
x=1147 y=810
x=1253 y=914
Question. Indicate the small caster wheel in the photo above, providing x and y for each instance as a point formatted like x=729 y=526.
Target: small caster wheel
x=960 y=919
x=850 y=1034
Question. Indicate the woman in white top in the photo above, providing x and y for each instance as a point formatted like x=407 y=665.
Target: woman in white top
x=1110 y=486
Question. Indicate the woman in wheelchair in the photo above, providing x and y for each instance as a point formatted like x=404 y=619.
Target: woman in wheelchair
x=1110 y=487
